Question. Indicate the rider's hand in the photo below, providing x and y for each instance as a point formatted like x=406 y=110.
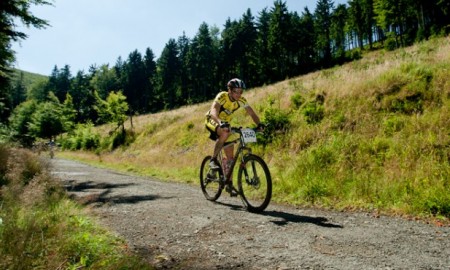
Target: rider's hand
x=260 y=127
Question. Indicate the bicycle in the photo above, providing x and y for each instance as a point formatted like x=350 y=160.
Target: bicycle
x=253 y=178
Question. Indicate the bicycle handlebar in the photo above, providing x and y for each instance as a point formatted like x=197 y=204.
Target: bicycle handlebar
x=238 y=129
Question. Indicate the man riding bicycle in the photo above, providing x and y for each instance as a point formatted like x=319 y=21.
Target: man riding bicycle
x=220 y=115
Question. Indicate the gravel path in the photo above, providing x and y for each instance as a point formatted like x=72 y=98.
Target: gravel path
x=174 y=226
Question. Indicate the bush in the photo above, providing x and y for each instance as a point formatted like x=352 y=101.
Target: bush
x=297 y=100
x=313 y=112
x=391 y=42
x=277 y=122
x=83 y=137
x=122 y=138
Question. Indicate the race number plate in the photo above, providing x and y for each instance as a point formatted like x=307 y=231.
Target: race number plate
x=249 y=135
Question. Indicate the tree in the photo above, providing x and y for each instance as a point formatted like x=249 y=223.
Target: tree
x=308 y=40
x=183 y=49
x=230 y=50
x=202 y=60
x=12 y=11
x=338 y=23
x=150 y=75
x=323 y=19
x=169 y=67
x=18 y=94
x=278 y=34
x=390 y=16
x=104 y=81
x=46 y=121
x=247 y=35
x=19 y=122
x=264 y=67
x=112 y=110
x=134 y=82
x=38 y=91
x=356 y=20
x=68 y=114
x=83 y=99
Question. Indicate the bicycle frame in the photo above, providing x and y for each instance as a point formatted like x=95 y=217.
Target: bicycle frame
x=254 y=184
x=236 y=155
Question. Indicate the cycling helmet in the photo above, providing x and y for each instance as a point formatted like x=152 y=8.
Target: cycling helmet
x=236 y=83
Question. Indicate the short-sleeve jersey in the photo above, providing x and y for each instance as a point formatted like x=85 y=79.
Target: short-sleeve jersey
x=228 y=107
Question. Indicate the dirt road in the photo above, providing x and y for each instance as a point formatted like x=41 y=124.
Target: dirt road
x=173 y=226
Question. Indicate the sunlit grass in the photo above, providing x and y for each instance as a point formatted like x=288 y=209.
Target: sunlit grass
x=382 y=143
x=41 y=228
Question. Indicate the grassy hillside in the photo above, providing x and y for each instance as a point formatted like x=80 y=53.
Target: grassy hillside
x=28 y=77
x=373 y=134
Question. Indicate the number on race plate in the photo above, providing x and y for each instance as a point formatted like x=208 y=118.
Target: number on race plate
x=249 y=135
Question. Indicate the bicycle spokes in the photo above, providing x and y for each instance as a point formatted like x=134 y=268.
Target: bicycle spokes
x=255 y=184
x=210 y=181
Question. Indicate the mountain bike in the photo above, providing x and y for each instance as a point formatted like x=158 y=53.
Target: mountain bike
x=253 y=177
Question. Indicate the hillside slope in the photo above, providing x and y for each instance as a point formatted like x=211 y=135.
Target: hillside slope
x=373 y=134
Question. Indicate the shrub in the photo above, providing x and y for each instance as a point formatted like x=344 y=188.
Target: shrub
x=297 y=100
x=122 y=138
x=83 y=137
x=313 y=112
x=391 y=42
x=277 y=122
x=392 y=124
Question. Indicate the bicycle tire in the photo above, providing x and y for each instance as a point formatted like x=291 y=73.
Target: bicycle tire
x=210 y=181
x=255 y=183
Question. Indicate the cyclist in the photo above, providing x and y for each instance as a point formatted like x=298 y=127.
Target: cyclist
x=220 y=114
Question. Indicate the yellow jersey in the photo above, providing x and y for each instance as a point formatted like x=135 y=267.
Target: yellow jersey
x=228 y=107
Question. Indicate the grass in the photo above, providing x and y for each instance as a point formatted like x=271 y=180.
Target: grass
x=372 y=135
x=36 y=218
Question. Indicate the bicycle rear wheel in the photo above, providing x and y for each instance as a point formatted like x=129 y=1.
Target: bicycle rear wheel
x=255 y=183
x=210 y=180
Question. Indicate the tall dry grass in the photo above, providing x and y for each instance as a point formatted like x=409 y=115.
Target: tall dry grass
x=381 y=142
x=42 y=229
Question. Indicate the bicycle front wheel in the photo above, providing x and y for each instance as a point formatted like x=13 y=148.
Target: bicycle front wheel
x=210 y=180
x=255 y=183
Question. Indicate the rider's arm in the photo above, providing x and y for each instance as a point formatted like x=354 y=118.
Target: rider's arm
x=215 y=109
x=253 y=115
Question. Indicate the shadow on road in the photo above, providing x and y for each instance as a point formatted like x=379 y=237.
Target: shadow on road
x=285 y=218
x=90 y=192
x=74 y=186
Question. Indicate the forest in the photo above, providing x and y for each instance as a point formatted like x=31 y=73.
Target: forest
x=261 y=48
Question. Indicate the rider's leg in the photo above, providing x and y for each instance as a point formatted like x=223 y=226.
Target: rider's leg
x=223 y=135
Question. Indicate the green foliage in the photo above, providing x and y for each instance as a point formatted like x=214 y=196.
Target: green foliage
x=393 y=124
x=47 y=121
x=20 y=120
x=313 y=112
x=408 y=89
x=41 y=229
x=38 y=91
x=121 y=138
x=82 y=137
x=297 y=100
x=68 y=113
x=10 y=13
x=277 y=122
x=112 y=110
x=391 y=42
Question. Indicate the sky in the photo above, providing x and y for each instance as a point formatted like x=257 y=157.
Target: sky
x=96 y=32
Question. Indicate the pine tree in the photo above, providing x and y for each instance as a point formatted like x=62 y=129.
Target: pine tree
x=12 y=11
x=169 y=75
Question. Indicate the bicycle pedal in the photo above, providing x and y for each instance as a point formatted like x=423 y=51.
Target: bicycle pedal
x=231 y=191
